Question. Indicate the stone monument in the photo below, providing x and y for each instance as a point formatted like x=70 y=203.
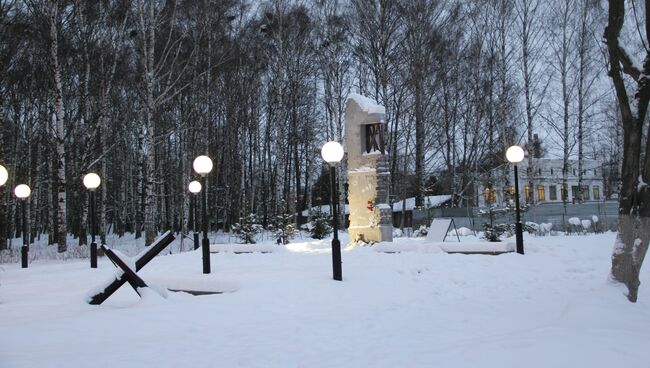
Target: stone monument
x=368 y=174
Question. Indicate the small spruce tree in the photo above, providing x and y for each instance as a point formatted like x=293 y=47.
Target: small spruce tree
x=320 y=225
x=247 y=228
x=283 y=227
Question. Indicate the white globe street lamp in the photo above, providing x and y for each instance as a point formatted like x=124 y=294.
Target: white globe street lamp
x=91 y=182
x=203 y=165
x=4 y=175
x=194 y=187
x=22 y=192
x=515 y=155
x=332 y=153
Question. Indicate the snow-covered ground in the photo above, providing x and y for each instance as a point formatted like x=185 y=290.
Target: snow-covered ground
x=552 y=307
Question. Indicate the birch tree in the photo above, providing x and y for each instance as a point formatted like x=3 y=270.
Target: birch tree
x=162 y=70
x=57 y=117
x=533 y=43
x=563 y=41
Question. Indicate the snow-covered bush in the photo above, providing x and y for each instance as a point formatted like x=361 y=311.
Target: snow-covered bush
x=320 y=225
x=283 y=227
x=596 y=224
x=397 y=233
x=493 y=233
x=247 y=228
x=545 y=228
x=421 y=232
x=575 y=225
x=533 y=225
x=586 y=225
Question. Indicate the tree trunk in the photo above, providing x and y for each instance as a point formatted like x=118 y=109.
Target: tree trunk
x=634 y=204
x=60 y=186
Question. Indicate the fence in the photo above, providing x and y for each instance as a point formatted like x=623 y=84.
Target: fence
x=555 y=213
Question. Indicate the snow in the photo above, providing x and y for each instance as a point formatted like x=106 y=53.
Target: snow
x=246 y=248
x=362 y=169
x=553 y=307
x=462 y=231
x=574 y=221
x=641 y=184
x=635 y=63
x=366 y=104
x=429 y=201
x=586 y=224
x=478 y=247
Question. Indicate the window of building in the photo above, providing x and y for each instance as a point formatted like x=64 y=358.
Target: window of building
x=490 y=196
x=552 y=193
x=551 y=171
x=539 y=171
x=585 y=192
x=574 y=192
x=563 y=193
x=528 y=194
x=540 y=193
x=595 y=172
x=596 y=189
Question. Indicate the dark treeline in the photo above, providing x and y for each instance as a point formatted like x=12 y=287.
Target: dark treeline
x=134 y=90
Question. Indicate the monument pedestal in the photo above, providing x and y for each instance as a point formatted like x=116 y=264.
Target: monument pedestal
x=368 y=175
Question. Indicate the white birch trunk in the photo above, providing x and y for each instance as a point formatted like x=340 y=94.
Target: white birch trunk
x=55 y=69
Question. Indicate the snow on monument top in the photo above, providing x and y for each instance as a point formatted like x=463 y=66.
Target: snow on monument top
x=366 y=104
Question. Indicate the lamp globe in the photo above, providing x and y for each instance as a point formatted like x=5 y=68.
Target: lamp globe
x=332 y=152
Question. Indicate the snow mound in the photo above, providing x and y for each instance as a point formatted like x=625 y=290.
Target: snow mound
x=478 y=247
x=462 y=231
x=411 y=246
x=586 y=224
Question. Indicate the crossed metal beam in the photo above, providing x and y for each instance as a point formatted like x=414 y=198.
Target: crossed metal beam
x=130 y=275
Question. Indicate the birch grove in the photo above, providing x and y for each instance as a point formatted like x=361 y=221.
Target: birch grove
x=134 y=91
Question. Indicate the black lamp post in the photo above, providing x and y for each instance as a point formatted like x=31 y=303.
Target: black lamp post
x=4 y=175
x=203 y=165
x=23 y=192
x=515 y=155
x=195 y=188
x=91 y=182
x=332 y=153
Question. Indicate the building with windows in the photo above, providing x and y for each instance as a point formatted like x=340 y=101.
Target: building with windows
x=540 y=181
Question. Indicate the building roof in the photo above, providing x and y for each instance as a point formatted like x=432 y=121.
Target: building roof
x=429 y=201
